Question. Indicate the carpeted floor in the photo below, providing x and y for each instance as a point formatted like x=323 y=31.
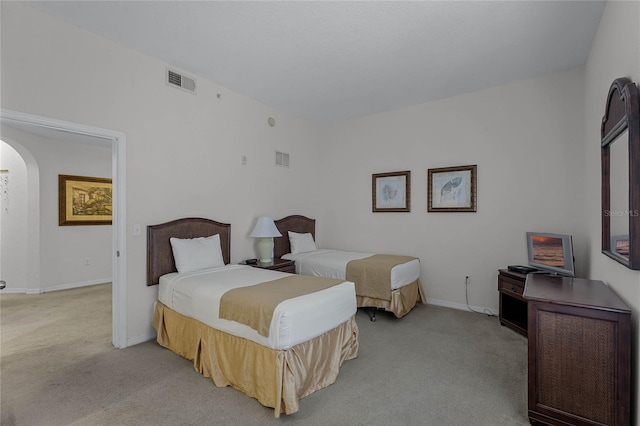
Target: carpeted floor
x=436 y=366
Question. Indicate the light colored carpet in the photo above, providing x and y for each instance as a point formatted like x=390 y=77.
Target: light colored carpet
x=436 y=366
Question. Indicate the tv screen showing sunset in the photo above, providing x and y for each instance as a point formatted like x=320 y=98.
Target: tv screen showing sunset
x=622 y=247
x=548 y=251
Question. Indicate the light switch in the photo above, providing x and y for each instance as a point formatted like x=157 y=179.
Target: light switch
x=137 y=230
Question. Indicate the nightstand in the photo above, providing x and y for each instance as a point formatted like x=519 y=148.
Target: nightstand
x=282 y=265
x=513 y=307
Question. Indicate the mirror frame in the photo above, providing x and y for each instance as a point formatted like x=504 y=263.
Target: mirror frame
x=621 y=113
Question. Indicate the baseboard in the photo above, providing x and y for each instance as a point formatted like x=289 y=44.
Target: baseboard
x=141 y=339
x=461 y=307
x=55 y=288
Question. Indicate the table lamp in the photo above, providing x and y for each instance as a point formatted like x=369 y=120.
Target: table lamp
x=265 y=229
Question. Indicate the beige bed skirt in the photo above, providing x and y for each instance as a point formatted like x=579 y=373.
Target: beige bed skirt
x=402 y=299
x=276 y=378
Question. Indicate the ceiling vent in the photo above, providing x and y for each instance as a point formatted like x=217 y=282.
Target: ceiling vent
x=181 y=81
x=282 y=159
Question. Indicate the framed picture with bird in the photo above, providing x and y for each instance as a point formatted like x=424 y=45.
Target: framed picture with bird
x=452 y=189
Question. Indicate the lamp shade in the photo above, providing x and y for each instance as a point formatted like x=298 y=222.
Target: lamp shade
x=265 y=228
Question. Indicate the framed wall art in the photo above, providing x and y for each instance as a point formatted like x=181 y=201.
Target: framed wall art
x=391 y=192
x=452 y=189
x=84 y=200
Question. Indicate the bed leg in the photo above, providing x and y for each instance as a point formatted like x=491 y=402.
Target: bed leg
x=372 y=314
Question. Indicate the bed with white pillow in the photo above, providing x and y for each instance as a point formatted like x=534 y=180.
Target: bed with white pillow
x=402 y=287
x=299 y=350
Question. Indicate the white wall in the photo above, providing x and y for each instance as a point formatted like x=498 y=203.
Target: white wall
x=64 y=249
x=183 y=150
x=526 y=139
x=615 y=53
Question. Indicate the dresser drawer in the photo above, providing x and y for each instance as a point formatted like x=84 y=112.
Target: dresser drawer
x=508 y=285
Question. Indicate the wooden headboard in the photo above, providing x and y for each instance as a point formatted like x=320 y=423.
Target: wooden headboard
x=296 y=223
x=159 y=253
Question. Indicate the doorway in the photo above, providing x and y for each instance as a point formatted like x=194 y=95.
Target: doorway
x=53 y=128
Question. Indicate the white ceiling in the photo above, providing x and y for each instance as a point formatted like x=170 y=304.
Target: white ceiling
x=331 y=61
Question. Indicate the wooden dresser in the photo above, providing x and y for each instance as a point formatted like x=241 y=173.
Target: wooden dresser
x=579 y=336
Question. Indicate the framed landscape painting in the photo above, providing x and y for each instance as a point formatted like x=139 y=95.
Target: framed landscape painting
x=452 y=189
x=391 y=192
x=84 y=200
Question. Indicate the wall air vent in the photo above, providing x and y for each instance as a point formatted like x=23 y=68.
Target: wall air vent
x=181 y=81
x=282 y=159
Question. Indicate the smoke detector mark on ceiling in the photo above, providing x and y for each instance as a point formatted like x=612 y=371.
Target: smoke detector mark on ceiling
x=180 y=81
x=282 y=159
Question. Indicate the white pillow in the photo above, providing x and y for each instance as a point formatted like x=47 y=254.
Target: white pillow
x=301 y=243
x=194 y=254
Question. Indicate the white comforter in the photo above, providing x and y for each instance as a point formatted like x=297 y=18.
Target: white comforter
x=331 y=263
x=197 y=295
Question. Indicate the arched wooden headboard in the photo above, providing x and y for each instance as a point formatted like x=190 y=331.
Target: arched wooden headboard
x=159 y=253
x=295 y=223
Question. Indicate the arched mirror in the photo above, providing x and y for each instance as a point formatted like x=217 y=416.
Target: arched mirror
x=620 y=155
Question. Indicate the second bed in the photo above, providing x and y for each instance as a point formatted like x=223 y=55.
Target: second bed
x=388 y=282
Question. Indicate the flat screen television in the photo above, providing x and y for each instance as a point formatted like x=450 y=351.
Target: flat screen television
x=551 y=253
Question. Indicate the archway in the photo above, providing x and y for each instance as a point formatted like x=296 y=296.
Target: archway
x=20 y=215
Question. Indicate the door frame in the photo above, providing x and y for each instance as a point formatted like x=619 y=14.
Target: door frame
x=118 y=142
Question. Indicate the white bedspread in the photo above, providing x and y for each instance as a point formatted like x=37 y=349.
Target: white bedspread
x=331 y=263
x=197 y=295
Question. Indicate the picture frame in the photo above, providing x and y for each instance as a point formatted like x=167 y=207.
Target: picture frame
x=391 y=192
x=452 y=189
x=84 y=200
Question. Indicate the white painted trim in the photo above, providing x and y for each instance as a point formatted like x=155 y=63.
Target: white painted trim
x=462 y=307
x=118 y=147
x=141 y=339
x=119 y=150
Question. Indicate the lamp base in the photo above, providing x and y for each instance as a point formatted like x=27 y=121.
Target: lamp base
x=265 y=250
